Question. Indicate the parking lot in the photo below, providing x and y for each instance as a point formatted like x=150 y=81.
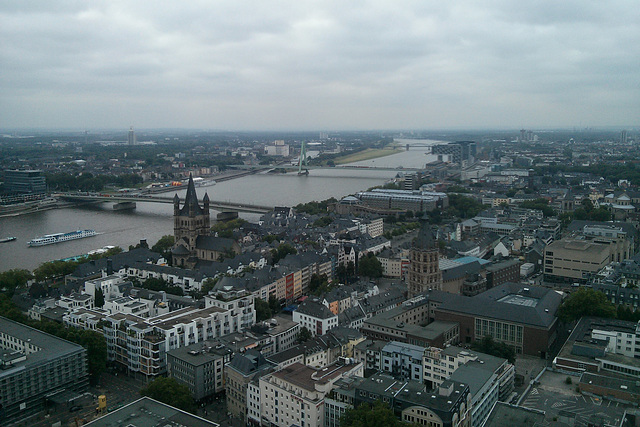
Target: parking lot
x=557 y=398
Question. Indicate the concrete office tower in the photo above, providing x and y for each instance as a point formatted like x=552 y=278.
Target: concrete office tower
x=131 y=140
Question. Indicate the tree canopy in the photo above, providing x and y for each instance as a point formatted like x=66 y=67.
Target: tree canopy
x=13 y=279
x=586 y=302
x=487 y=345
x=304 y=334
x=365 y=415
x=370 y=266
x=225 y=228
x=171 y=392
x=464 y=206
x=157 y=284
x=163 y=246
x=263 y=310
x=283 y=250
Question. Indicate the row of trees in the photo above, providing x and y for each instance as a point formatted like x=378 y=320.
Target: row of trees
x=315 y=208
x=86 y=181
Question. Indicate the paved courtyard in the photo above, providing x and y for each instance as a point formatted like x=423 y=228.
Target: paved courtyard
x=557 y=398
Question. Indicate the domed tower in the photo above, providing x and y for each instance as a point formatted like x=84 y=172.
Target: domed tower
x=189 y=222
x=424 y=267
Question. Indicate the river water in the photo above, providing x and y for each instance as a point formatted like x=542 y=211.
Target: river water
x=151 y=221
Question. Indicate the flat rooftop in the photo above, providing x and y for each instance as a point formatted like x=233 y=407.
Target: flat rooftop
x=306 y=377
x=146 y=412
x=49 y=346
x=519 y=300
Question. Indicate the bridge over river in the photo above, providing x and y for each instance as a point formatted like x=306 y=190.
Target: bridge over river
x=123 y=199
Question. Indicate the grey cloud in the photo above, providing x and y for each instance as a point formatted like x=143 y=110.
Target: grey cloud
x=288 y=64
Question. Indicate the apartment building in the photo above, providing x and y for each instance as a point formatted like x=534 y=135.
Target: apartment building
x=240 y=305
x=315 y=316
x=403 y=361
x=141 y=344
x=295 y=395
x=136 y=306
x=490 y=379
x=410 y=323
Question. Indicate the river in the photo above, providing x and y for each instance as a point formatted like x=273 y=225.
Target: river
x=151 y=221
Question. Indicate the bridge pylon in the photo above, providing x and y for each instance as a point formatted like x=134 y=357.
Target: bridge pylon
x=303 y=158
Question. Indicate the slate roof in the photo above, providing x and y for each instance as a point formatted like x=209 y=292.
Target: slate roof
x=488 y=304
x=212 y=243
x=191 y=205
x=425 y=240
x=461 y=270
x=389 y=298
x=350 y=315
x=315 y=309
x=119 y=261
x=249 y=363
x=180 y=250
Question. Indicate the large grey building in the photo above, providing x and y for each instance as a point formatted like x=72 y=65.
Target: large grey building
x=200 y=367
x=461 y=152
x=34 y=367
x=24 y=182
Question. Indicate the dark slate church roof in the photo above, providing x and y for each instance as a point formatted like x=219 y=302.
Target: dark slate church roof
x=425 y=240
x=212 y=243
x=191 y=205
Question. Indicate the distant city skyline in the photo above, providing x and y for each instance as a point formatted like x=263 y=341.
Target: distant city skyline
x=256 y=66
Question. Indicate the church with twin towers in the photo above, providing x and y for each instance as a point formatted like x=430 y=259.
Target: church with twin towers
x=194 y=245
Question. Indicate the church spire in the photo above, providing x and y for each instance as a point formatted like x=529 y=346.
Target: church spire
x=191 y=206
x=425 y=240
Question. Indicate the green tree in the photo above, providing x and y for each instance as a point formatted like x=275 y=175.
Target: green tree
x=370 y=266
x=464 y=206
x=263 y=311
x=171 y=392
x=304 y=335
x=274 y=304
x=586 y=302
x=487 y=345
x=318 y=284
x=282 y=251
x=225 y=228
x=322 y=222
x=365 y=415
x=99 y=302
x=540 y=204
x=96 y=346
x=157 y=284
x=163 y=246
x=13 y=279
x=54 y=270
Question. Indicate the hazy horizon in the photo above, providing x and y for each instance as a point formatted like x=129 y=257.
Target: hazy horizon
x=295 y=66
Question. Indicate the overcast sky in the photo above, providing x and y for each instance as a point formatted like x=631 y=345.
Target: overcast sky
x=319 y=65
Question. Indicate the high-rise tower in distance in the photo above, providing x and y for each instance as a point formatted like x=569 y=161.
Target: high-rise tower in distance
x=132 y=137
